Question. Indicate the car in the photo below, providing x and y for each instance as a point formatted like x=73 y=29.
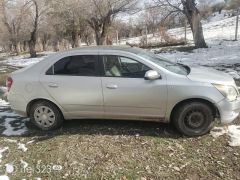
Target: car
x=122 y=83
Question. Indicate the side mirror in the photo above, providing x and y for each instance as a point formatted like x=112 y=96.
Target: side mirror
x=152 y=75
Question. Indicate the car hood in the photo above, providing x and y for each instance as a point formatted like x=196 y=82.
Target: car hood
x=210 y=75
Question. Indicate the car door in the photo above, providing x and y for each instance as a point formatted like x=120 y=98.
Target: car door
x=75 y=84
x=127 y=94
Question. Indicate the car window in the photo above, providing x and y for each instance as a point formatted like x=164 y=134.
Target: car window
x=170 y=66
x=119 y=66
x=82 y=65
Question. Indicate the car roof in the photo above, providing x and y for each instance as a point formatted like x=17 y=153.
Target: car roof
x=129 y=49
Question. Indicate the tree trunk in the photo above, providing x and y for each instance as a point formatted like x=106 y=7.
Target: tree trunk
x=44 y=45
x=45 y=42
x=25 y=46
x=194 y=19
x=17 y=47
x=32 y=49
x=75 y=39
x=100 y=38
x=197 y=31
x=56 y=46
x=11 y=47
x=236 y=31
x=33 y=38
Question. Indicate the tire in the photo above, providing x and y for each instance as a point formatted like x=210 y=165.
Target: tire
x=46 y=116
x=193 y=118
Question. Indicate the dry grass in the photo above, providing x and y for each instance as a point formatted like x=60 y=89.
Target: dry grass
x=94 y=149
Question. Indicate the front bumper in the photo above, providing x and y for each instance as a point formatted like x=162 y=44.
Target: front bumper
x=229 y=111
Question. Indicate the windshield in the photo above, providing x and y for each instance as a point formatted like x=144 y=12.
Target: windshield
x=170 y=66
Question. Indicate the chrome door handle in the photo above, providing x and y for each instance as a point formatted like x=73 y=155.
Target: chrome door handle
x=112 y=86
x=52 y=85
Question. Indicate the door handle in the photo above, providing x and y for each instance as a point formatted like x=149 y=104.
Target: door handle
x=52 y=85
x=112 y=86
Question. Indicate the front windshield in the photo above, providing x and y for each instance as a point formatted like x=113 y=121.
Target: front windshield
x=170 y=66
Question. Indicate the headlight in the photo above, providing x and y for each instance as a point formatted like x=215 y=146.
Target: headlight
x=229 y=92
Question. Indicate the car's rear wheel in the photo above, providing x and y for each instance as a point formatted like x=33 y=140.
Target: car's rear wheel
x=45 y=115
x=193 y=118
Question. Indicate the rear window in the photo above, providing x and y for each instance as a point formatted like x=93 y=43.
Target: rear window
x=83 y=65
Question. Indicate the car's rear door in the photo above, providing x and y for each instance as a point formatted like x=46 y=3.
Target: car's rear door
x=74 y=82
x=127 y=94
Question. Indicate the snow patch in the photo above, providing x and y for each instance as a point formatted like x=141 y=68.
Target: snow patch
x=219 y=131
x=9 y=168
x=4 y=177
x=30 y=142
x=4 y=103
x=233 y=131
x=13 y=131
x=2 y=151
x=24 y=60
x=22 y=147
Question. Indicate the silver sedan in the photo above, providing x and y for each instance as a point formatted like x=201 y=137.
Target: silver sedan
x=124 y=83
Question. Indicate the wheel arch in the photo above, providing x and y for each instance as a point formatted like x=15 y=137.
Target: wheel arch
x=29 y=105
x=209 y=103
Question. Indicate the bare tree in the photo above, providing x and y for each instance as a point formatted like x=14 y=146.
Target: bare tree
x=100 y=14
x=190 y=10
x=12 y=19
x=234 y=4
x=69 y=15
x=33 y=34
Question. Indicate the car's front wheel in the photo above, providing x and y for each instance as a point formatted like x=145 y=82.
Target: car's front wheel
x=193 y=118
x=45 y=115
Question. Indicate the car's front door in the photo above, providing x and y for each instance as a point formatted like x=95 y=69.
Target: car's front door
x=127 y=94
x=74 y=83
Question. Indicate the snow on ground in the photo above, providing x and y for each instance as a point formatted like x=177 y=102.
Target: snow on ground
x=3 y=104
x=13 y=124
x=22 y=147
x=227 y=52
x=232 y=131
x=24 y=60
x=2 y=151
x=14 y=131
x=9 y=168
x=4 y=177
x=220 y=26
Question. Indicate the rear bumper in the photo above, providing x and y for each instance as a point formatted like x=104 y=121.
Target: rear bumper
x=229 y=111
x=18 y=104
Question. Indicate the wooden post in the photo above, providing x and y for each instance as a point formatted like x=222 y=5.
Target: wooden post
x=185 y=31
x=146 y=35
x=236 y=33
x=117 y=37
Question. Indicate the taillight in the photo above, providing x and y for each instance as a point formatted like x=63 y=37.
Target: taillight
x=9 y=83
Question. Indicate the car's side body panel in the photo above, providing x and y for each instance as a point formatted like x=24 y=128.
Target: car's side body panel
x=79 y=96
x=88 y=97
x=134 y=98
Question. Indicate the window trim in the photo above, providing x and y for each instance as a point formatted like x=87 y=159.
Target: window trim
x=103 y=71
x=97 y=66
